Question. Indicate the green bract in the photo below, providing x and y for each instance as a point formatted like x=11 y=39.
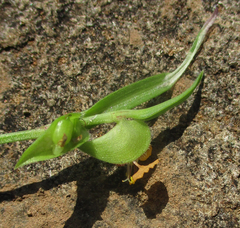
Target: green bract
x=126 y=142
x=130 y=138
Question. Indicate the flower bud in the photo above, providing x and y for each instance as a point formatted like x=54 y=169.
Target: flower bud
x=63 y=132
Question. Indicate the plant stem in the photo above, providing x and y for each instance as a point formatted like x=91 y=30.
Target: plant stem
x=21 y=135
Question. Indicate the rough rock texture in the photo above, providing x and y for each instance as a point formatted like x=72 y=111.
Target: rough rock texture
x=58 y=57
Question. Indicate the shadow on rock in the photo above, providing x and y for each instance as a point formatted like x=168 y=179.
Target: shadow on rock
x=157 y=200
x=93 y=189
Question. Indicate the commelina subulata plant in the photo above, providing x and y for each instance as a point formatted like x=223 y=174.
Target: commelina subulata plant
x=128 y=141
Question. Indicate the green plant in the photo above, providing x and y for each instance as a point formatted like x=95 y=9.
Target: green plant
x=131 y=136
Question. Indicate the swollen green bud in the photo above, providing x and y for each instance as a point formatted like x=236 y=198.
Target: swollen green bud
x=62 y=135
x=63 y=132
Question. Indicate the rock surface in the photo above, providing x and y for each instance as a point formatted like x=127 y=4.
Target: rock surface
x=58 y=57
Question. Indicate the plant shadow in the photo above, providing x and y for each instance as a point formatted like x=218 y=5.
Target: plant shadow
x=93 y=190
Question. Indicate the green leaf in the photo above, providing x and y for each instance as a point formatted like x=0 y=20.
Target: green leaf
x=160 y=109
x=65 y=133
x=126 y=142
x=131 y=96
x=143 y=114
x=135 y=94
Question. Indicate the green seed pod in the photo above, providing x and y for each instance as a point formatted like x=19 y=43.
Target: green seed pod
x=63 y=132
x=126 y=142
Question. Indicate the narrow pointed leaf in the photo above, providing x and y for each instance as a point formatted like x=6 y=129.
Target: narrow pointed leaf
x=135 y=94
x=143 y=114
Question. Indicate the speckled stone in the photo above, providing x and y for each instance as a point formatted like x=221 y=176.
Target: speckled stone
x=58 y=57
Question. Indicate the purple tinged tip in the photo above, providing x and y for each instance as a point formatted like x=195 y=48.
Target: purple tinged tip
x=211 y=20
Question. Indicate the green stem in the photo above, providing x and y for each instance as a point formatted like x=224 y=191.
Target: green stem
x=22 y=135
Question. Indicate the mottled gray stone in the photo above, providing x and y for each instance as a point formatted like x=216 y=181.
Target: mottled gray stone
x=58 y=57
